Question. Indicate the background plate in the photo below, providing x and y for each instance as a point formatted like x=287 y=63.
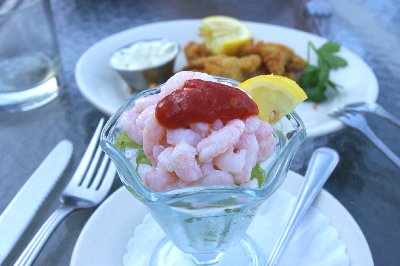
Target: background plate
x=107 y=91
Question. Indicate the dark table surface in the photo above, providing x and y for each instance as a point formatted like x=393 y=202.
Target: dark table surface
x=365 y=182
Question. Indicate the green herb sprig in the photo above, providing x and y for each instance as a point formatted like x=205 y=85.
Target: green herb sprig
x=315 y=79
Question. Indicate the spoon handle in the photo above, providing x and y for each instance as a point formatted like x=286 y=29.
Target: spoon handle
x=321 y=165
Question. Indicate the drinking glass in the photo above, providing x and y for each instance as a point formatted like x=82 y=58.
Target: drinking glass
x=29 y=60
x=206 y=223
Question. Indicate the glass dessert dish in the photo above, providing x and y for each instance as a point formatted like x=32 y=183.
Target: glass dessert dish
x=206 y=224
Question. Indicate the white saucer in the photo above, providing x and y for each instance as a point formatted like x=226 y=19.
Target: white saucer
x=107 y=91
x=316 y=241
x=104 y=238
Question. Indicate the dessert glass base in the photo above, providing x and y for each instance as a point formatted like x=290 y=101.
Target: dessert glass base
x=246 y=252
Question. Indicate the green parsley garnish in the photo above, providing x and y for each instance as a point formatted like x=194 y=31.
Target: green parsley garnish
x=315 y=79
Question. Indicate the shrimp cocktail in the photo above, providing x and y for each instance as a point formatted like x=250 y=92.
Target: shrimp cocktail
x=202 y=153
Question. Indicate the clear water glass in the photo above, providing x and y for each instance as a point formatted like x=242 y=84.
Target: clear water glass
x=29 y=59
x=206 y=224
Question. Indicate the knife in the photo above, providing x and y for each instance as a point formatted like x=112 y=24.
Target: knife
x=25 y=204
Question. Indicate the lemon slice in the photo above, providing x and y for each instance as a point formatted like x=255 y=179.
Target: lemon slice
x=224 y=35
x=275 y=96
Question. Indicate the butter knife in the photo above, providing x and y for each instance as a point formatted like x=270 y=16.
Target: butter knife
x=25 y=204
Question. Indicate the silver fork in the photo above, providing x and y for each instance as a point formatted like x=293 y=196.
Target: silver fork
x=88 y=186
x=372 y=108
x=358 y=122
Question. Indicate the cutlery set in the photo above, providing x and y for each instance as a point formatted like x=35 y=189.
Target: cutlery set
x=95 y=174
x=26 y=203
x=88 y=187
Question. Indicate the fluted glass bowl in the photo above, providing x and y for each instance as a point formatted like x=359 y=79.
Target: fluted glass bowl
x=206 y=223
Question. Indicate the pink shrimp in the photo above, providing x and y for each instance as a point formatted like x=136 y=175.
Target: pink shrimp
x=201 y=128
x=174 y=136
x=218 y=177
x=231 y=162
x=141 y=120
x=184 y=163
x=160 y=180
x=252 y=124
x=164 y=159
x=142 y=103
x=217 y=125
x=207 y=168
x=265 y=140
x=177 y=81
x=128 y=123
x=157 y=149
x=153 y=134
x=203 y=76
x=249 y=143
x=143 y=169
x=220 y=141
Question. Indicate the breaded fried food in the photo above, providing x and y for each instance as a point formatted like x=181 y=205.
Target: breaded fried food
x=278 y=59
x=250 y=63
x=195 y=50
x=275 y=56
x=251 y=59
x=296 y=63
x=291 y=75
x=247 y=49
x=227 y=66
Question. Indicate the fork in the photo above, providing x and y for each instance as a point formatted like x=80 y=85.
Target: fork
x=358 y=122
x=88 y=186
x=372 y=108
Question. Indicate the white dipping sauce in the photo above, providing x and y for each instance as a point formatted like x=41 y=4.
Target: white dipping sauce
x=144 y=54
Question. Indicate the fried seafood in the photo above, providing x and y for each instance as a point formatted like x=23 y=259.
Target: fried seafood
x=250 y=60
x=227 y=66
x=195 y=51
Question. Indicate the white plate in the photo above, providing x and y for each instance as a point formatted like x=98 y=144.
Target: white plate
x=107 y=91
x=104 y=238
x=324 y=246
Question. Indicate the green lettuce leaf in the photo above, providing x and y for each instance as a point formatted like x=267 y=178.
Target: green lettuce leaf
x=124 y=141
x=259 y=174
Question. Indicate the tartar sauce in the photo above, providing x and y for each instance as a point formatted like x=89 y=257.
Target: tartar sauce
x=144 y=54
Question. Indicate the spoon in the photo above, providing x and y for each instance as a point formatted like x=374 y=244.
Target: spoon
x=322 y=163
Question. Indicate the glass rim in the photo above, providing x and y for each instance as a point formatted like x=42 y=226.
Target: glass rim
x=165 y=196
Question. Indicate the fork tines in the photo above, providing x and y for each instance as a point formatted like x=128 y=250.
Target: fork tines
x=87 y=164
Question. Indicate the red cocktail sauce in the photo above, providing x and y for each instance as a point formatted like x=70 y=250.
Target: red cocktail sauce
x=204 y=101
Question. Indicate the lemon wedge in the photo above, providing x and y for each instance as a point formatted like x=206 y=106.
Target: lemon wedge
x=275 y=96
x=224 y=35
